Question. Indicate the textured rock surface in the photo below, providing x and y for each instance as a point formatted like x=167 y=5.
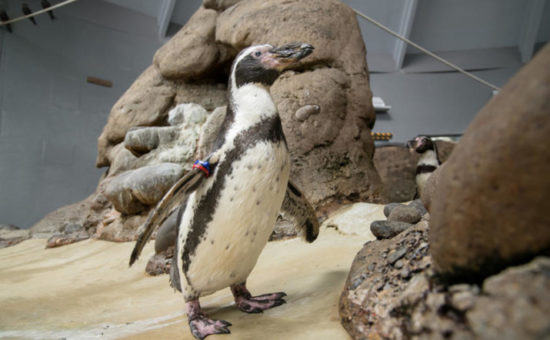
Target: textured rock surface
x=193 y=50
x=515 y=303
x=397 y=167
x=490 y=206
x=132 y=191
x=393 y=293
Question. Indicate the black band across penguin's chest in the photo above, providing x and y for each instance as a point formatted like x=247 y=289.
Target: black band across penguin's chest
x=268 y=130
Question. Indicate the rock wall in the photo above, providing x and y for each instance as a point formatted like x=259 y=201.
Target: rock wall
x=325 y=106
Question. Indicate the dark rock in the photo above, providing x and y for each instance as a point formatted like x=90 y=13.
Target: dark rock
x=388 y=229
x=389 y=207
x=419 y=206
x=405 y=214
x=489 y=208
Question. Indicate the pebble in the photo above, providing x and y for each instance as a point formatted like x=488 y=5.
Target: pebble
x=388 y=229
x=396 y=255
x=305 y=111
x=389 y=207
x=405 y=214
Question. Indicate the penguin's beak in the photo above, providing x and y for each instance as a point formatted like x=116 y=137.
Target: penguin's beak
x=281 y=57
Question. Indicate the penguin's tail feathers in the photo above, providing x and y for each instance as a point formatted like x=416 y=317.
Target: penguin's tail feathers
x=173 y=198
x=296 y=207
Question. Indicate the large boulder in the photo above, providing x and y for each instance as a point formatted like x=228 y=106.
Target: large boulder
x=193 y=50
x=133 y=191
x=490 y=205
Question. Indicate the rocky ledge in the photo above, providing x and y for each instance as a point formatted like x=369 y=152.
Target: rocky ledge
x=392 y=292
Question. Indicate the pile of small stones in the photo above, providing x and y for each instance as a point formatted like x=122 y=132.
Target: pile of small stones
x=400 y=217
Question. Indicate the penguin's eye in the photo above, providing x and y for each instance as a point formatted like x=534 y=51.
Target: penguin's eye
x=257 y=54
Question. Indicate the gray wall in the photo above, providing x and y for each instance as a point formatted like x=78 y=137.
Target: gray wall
x=50 y=116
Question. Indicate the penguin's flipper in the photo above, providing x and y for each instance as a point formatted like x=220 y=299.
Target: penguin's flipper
x=169 y=203
x=298 y=208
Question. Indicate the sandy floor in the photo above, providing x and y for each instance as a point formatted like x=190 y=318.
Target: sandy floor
x=86 y=290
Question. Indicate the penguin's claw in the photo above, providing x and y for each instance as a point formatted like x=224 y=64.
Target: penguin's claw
x=201 y=327
x=257 y=304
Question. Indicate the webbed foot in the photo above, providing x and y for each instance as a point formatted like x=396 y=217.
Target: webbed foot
x=255 y=304
x=200 y=325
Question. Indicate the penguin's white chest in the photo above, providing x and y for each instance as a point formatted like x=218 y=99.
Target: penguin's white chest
x=243 y=220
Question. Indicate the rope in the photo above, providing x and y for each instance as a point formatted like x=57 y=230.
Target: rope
x=61 y=4
x=436 y=57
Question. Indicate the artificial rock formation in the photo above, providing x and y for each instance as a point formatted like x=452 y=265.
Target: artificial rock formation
x=324 y=103
x=392 y=292
x=490 y=206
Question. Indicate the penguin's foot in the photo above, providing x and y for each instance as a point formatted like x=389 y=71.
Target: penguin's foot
x=200 y=325
x=255 y=304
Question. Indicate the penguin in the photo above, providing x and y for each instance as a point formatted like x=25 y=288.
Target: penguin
x=46 y=4
x=428 y=162
x=26 y=10
x=295 y=209
x=229 y=213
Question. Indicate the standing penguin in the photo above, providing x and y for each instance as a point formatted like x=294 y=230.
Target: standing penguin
x=228 y=216
x=428 y=162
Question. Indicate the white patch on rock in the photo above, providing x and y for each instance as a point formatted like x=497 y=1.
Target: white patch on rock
x=189 y=113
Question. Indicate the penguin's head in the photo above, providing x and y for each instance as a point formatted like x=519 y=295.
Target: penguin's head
x=262 y=64
x=421 y=144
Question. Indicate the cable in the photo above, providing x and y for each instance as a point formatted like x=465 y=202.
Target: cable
x=61 y=4
x=438 y=58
